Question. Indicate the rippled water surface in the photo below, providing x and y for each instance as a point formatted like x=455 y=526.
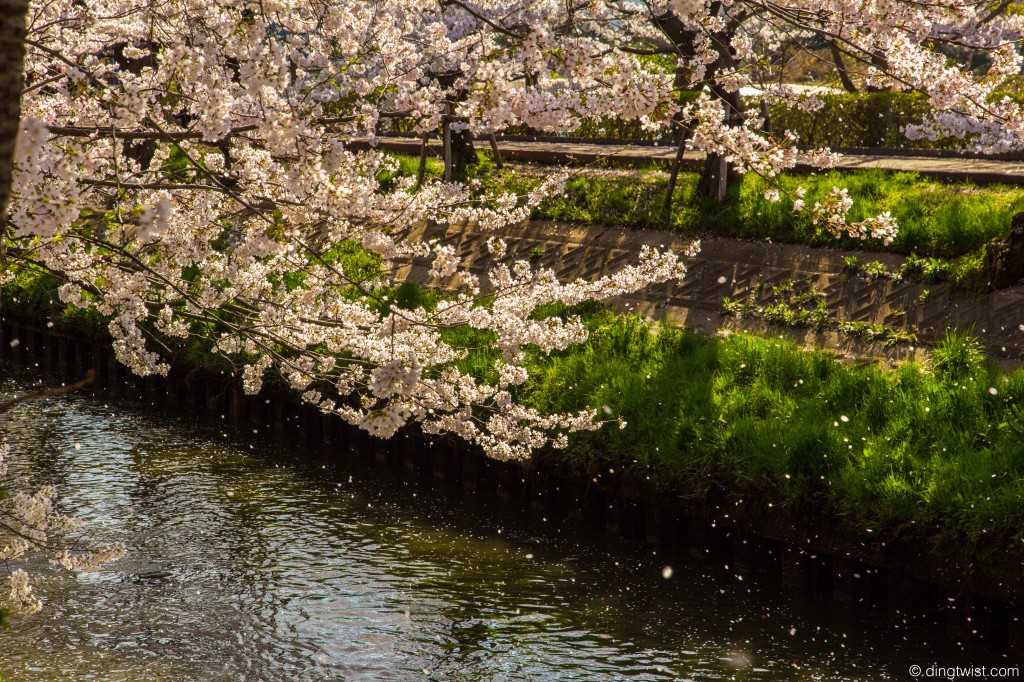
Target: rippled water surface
x=241 y=568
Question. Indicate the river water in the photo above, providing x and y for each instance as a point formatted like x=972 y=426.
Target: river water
x=242 y=567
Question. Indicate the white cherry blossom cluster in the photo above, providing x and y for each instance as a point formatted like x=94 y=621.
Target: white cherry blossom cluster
x=30 y=523
x=831 y=213
x=902 y=45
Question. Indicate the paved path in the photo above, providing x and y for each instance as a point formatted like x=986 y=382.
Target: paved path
x=746 y=270
x=981 y=171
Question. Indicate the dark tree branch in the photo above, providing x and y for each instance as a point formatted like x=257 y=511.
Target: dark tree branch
x=90 y=376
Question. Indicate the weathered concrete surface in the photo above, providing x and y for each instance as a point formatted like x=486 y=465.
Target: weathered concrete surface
x=982 y=171
x=734 y=268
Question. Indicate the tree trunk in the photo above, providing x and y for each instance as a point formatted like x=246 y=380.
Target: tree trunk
x=680 y=82
x=844 y=75
x=446 y=142
x=12 y=78
x=718 y=174
x=458 y=144
x=684 y=135
x=879 y=61
x=421 y=171
x=715 y=178
x=459 y=152
x=766 y=117
x=498 y=162
x=12 y=69
x=463 y=152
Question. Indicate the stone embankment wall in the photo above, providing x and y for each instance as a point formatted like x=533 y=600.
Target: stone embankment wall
x=747 y=270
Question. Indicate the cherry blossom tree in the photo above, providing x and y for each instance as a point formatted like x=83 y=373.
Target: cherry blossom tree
x=185 y=168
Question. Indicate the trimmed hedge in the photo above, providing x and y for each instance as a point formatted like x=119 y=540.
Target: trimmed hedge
x=870 y=119
x=864 y=119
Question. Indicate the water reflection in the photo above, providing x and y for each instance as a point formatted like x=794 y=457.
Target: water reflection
x=243 y=569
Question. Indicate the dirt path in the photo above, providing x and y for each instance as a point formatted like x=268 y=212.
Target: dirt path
x=747 y=270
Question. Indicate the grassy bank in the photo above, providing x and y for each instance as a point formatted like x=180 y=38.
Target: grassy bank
x=935 y=219
x=935 y=451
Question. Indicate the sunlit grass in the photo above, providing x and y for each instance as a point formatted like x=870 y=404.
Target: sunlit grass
x=934 y=450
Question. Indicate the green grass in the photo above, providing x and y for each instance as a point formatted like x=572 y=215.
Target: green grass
x=799 y=305
x=935 y=219
x=927 y=450
x=408 y=166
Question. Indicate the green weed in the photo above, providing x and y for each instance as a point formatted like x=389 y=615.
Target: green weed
x=958 y=356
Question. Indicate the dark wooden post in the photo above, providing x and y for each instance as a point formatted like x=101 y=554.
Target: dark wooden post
x=446 y=135
x=422 y=170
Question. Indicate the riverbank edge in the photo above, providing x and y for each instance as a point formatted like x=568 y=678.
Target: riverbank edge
x=975 y=597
